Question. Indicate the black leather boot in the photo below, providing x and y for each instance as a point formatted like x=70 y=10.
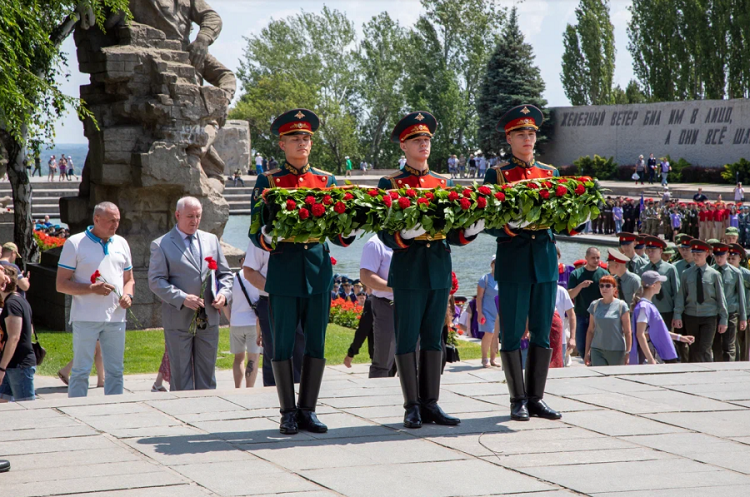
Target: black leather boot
x=430 y=365
x=4 y=466
x=512 y=367
x=407 y=373
x=283 y=373
x=309 y=388
x=537 y=365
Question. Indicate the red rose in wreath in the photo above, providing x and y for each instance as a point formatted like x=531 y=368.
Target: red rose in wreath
x=291 y=205
x=348 y=196
x=387 y=200
x=327 y=200
x=339 y=208
x=373 y=193
x=533 y=186
x=485 y=190
x=304 y=213
x=404 y=202
x=580 y=190
x=544 y=194
x=411 y=193
x=309 y=200
x=393 y=194
x=429 y=195
x=465 y=204
x=453 y=196
x=560 y=190
x=318 y=210
x=481 y=202
x=500 y=196
x=467 y=192
x=423 y=201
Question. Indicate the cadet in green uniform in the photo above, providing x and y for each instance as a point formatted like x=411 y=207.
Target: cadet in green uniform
x=627 y=247
x=736 y=257
x=627 y=282
x=734 y=292
x=640 y=248
x=299 y=278
x=527 y=274
x=700 y=303
x=686 y=256
x=664 y=300
x=420 y=275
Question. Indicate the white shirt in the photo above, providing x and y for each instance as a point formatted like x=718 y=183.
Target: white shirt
x=563 y=303
x=401 y=162
x=376 y=257
x=84 y=253
x=242 y=313
x=258 y=160
x=186 y=241
x=257 y=259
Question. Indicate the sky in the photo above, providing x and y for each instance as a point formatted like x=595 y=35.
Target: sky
x=542 y=22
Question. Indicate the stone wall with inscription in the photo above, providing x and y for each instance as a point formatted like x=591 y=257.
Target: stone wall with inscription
x=708 y=133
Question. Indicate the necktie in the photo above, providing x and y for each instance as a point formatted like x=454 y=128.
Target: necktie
x=191 y=247
x=699 y=285
x=619 y=290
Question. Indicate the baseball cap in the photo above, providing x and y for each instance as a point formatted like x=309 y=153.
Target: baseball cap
x=650 y=277
x=11 y=246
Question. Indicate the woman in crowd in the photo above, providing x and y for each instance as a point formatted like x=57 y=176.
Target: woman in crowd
x=739 y=193
x=649 y=330
x=18 y=362
x=640 y=169
x=617 y=215
x=486 y=316
x=608 y=338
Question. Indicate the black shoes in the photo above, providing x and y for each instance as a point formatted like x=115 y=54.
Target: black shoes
x=4 y=466
x=309 y=388
x=512 y=366
x=407 y=374
x=537 y=365
x=283 y=373
x=430 y=367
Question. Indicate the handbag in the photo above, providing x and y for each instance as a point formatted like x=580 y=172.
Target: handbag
x=39 y=351
x=451 y=353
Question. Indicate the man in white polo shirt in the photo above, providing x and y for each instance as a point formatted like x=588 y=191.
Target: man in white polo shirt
x=99 y=307
x=373 y=271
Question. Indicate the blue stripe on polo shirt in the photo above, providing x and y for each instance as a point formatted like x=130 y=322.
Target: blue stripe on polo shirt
x=93 y=237
x=66 y=267
x=128 y=268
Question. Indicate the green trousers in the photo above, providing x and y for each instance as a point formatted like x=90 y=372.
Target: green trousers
x=419 y=315
x=519 y=302
x=287 y=312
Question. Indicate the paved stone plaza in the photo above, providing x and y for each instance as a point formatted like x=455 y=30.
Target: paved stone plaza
x=656 y=431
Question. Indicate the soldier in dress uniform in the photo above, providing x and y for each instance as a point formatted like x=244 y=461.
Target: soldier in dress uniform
x=627 y=247
x=725 y=344
x=420 y=276
x=627 y=283
x=527 y=275
x=640 y=247
x=299 y=278
x=686 y=256
x=737 y=255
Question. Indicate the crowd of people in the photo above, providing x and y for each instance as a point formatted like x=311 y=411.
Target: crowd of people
x=475 y=166
x=63 y=164
x=698 y=218
x=650 y=169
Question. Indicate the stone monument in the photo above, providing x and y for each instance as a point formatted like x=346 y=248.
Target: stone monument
x=155 y=126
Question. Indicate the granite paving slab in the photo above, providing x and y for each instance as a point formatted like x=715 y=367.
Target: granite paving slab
x=653 y=430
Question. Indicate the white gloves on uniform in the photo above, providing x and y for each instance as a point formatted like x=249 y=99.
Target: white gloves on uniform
x=475 y=228
x=268 y=238
x=413 y=233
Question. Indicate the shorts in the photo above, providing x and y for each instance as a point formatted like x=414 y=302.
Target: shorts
x=18 y=384
x=242 y=338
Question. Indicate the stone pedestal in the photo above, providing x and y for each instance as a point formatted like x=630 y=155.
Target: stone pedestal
x=155 y=121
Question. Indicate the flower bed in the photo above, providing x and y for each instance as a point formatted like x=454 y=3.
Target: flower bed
x=559 y=203
x=46 y=241
x=345 y=313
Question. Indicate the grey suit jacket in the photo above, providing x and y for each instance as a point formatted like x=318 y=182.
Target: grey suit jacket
x=173 y=273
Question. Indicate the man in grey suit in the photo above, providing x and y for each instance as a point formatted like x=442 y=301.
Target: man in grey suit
x=175 y=274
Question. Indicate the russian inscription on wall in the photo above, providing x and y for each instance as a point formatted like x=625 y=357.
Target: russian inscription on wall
x=706 y=132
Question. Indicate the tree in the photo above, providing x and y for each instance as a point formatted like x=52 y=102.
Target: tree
x=589 y=58
x=306 y=59
x=449 y=49
x=31 y=33
x=381 y=71
x=511 y=78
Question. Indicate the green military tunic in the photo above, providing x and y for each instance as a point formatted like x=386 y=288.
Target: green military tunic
x=527 y=266
x=664 y=300
x=734 y=290
x=300 y=275
x=420 y=272
x=627 y=286
x=681 y=266
x=714 y=301
x=636 y=264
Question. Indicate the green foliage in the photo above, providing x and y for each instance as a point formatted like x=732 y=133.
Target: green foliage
x=691 y=49
x=511 y=78
x=737 y=172
x=588 y=64
x=597 y=167
x=675 y=175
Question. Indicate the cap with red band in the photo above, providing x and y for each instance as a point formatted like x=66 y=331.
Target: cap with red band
x=521 y=117
x=626 y=237
x=296 y=122
x=413 y=125
x=654 y=242
x=617 y=256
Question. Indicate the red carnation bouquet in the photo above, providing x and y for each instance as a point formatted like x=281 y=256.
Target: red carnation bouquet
x=200 y=318
x=97 y=276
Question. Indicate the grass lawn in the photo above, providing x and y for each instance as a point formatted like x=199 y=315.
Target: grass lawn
x=144 y=349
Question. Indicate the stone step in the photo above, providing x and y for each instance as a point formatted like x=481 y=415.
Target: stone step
x=237 y=197
x=240 y=205
x=239 y=212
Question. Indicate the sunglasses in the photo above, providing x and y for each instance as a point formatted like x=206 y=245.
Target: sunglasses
x=606 y=285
